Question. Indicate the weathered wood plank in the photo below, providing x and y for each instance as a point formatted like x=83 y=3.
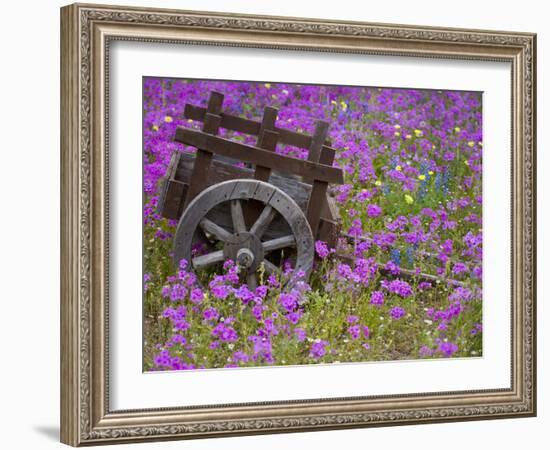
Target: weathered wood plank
x=223 y=171
x=319 y=187
x=263 y=222
x=237 y=216
x=278 y=243
x=173 y=200
x=253 y=127
x=257 y=156
x=267 y=139
x=203 y=159
x=269 y=143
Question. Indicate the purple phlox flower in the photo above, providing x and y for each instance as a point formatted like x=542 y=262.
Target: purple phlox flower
x=392 y=268
x=261 y=291
x=210 y=314
x=447 y=349
x=318 y=349
x=225 y=333
x=300 y=334
x=352 y=319
x=288 y=301
x=244 y=294
x=459 y=268
x=399 y=287
x=425 y=351
x=461 y=293
x=373 y=210
x=220 y=291
x=344 y=271
x=178 y=292
x=355 y=332
x=294 y=317
x=397 y=312
x=239 y=356
x=197 y=296
x=377 y=298
x=322 y=249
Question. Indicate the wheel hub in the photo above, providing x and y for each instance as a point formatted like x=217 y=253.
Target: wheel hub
x=245 y=249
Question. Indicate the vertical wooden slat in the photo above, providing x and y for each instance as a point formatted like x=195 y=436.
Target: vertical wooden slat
x=212 y=120
x=318 y=138
x=268 y=142
x=267 y=139
x=319 y=188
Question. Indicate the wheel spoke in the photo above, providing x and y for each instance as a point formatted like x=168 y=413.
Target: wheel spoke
x=237 y=216
x=271 y=268
x=210 y=227
x=206 y=260
x=261 y=224
x=278 y=243
x=251 y=281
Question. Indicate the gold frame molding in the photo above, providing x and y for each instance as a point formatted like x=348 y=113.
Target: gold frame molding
x=86 y=31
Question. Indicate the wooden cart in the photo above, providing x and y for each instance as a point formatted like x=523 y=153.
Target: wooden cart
x=250 y=214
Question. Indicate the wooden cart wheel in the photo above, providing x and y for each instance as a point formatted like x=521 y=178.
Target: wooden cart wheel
x=246 y=245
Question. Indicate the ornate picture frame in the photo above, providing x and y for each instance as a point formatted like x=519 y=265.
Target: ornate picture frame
x=87 y=32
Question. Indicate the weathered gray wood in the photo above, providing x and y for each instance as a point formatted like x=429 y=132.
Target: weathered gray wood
x=257 y=156
x=173 y=199
x=279 y=243
x=265 y=219
x=171 y=196
x=298 y=191
x=202 y=261
x=271 y=268
x=319 y=187
x=210 y=227
x=207 y=200
x=268 y=141
x=252 y=281
x=237 y=216
x=203 y=159
x=319 y=136
x=222 y=171
x=253 y=127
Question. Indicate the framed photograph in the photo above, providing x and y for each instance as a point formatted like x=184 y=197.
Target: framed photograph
x=277 y=224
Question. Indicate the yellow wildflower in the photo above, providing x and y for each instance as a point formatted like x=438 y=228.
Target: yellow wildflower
x=409 y=199
x=273 y=96
x=397 y=127
x=333 y=102
x=430 y=172
x=267 y=85
x=467 y=162
x=457 y=130
x=189 y=120
x=168 y=119
x=378 y=183
x=398 y=168
x=155 y=128
x=408 y=136
x=418 y=133
x=397 y=133
x=421 y=177
x=344 y=105
x=471 y=144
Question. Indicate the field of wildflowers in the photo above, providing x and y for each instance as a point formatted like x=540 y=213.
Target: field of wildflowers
x=411 y=207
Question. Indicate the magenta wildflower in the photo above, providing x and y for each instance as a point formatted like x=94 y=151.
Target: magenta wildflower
x=318 y=349
x=397 y=312
x=373 y=210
